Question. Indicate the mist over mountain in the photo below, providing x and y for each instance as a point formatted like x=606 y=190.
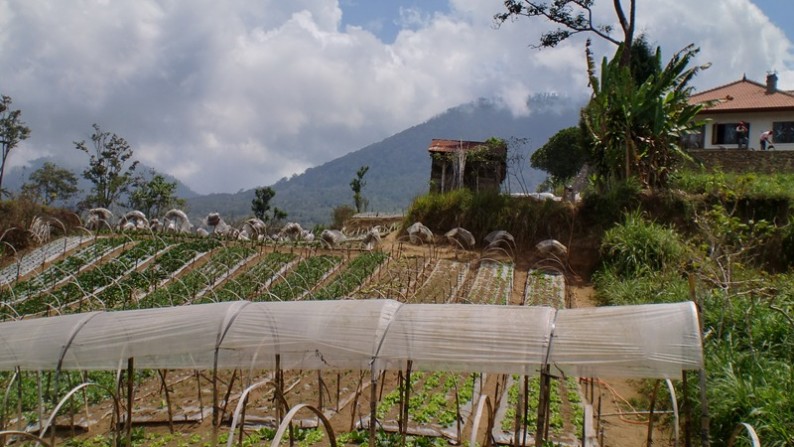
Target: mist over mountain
x=399 y=166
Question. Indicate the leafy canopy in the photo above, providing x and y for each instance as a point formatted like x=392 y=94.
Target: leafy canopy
x=260 y=205
x=636 y=126
x=573 y=17
x=50 y=183
x=154 y=196
x=357 y=184
x=107 y=167
x=12 y=131
x=562 y=156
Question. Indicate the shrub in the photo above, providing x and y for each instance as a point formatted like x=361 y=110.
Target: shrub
x=638 y=247
x=608 y=207
x=660 y=287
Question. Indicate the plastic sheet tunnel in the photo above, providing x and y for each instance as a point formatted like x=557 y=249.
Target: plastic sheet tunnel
x=647 y=341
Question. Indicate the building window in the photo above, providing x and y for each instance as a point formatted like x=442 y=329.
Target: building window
x=783 y=132
x=725 y=133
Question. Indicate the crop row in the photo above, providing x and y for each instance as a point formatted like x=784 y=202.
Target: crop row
x=493 y=283
x=59 y=271
x=90 y=282
x=38 y=257
x=564 y=394
x=255 y=280
x=85 y=284
x=556 y=422
x=444 y=282
x=432 y=401
x=545 y=289
x=357 y=271
x=139 y=283
x=397 y=279
x=306 y=275
x=184 y=289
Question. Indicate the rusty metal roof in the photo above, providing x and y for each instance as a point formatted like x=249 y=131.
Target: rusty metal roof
x=744 y=95
x=438 y=145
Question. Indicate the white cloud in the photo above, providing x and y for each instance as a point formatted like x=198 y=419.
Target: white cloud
x=237 y=94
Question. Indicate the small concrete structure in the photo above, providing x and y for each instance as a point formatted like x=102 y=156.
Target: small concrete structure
x=476 y=165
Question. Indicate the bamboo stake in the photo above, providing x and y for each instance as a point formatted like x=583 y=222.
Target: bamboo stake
x=373 y=394
x=649 y=442
x=130 y=371
x=162 y=374
x=704 y=405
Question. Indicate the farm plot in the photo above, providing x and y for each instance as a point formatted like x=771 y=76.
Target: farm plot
x=444 y=282
x=565 y=419
x=39 y=257
x=60 y=271
x=398 y=279
x=493 y=283
x=81 y=290
x=304 y=277
x=189 y=287
x=439 y=404
x=255 y=280
x=164 y=264
x=545 y=289
x=347 y=281
x=330 y=391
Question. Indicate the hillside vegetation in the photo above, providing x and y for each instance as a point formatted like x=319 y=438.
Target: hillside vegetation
x=724 y=241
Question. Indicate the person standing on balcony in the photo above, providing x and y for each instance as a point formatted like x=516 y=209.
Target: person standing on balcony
x=741 y=135
x=766 y=140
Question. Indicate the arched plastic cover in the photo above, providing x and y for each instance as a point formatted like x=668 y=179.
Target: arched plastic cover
x=468 y=338
x=652 y=340
x=655 y=341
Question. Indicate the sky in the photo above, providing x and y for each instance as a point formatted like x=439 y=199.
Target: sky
x=238 y=94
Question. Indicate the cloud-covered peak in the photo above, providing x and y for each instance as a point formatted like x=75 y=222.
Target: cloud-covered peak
x=237 y=94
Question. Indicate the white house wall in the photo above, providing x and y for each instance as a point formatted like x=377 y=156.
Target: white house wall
x=758 y=122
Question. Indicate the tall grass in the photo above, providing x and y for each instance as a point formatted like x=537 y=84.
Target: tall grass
x=638 y=247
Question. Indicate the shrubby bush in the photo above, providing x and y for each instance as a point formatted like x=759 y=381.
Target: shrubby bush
x=639 y=247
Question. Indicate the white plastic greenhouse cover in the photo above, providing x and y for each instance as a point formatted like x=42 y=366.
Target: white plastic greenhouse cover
x=654 y=341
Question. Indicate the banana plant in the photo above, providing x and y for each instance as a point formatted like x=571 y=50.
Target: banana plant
x=636 y=127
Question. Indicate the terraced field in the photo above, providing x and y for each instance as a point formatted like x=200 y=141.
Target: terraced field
x=136 y=272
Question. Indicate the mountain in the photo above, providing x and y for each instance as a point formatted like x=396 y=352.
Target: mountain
x=399 y=166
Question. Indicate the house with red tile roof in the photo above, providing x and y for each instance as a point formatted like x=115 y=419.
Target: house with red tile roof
x=759 y=106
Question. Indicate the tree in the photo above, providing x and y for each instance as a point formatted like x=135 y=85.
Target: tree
x=573 y=17
x=340 y=215
x=12 y=131
x=278 y=214
x=357 y=184
x=636 y=127
x=50 y=183
x=260 y=205
x=154 y=196
x=562 y=156
x=109 y=154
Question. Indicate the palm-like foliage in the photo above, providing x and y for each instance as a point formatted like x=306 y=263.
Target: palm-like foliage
x=636 y=126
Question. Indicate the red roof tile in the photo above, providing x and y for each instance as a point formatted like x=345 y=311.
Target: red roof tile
x=743 y=96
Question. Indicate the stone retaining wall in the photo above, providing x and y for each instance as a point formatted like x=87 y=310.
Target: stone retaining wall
x=734 y=160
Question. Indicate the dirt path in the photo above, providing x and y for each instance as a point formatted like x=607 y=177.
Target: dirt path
x=615 y=396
